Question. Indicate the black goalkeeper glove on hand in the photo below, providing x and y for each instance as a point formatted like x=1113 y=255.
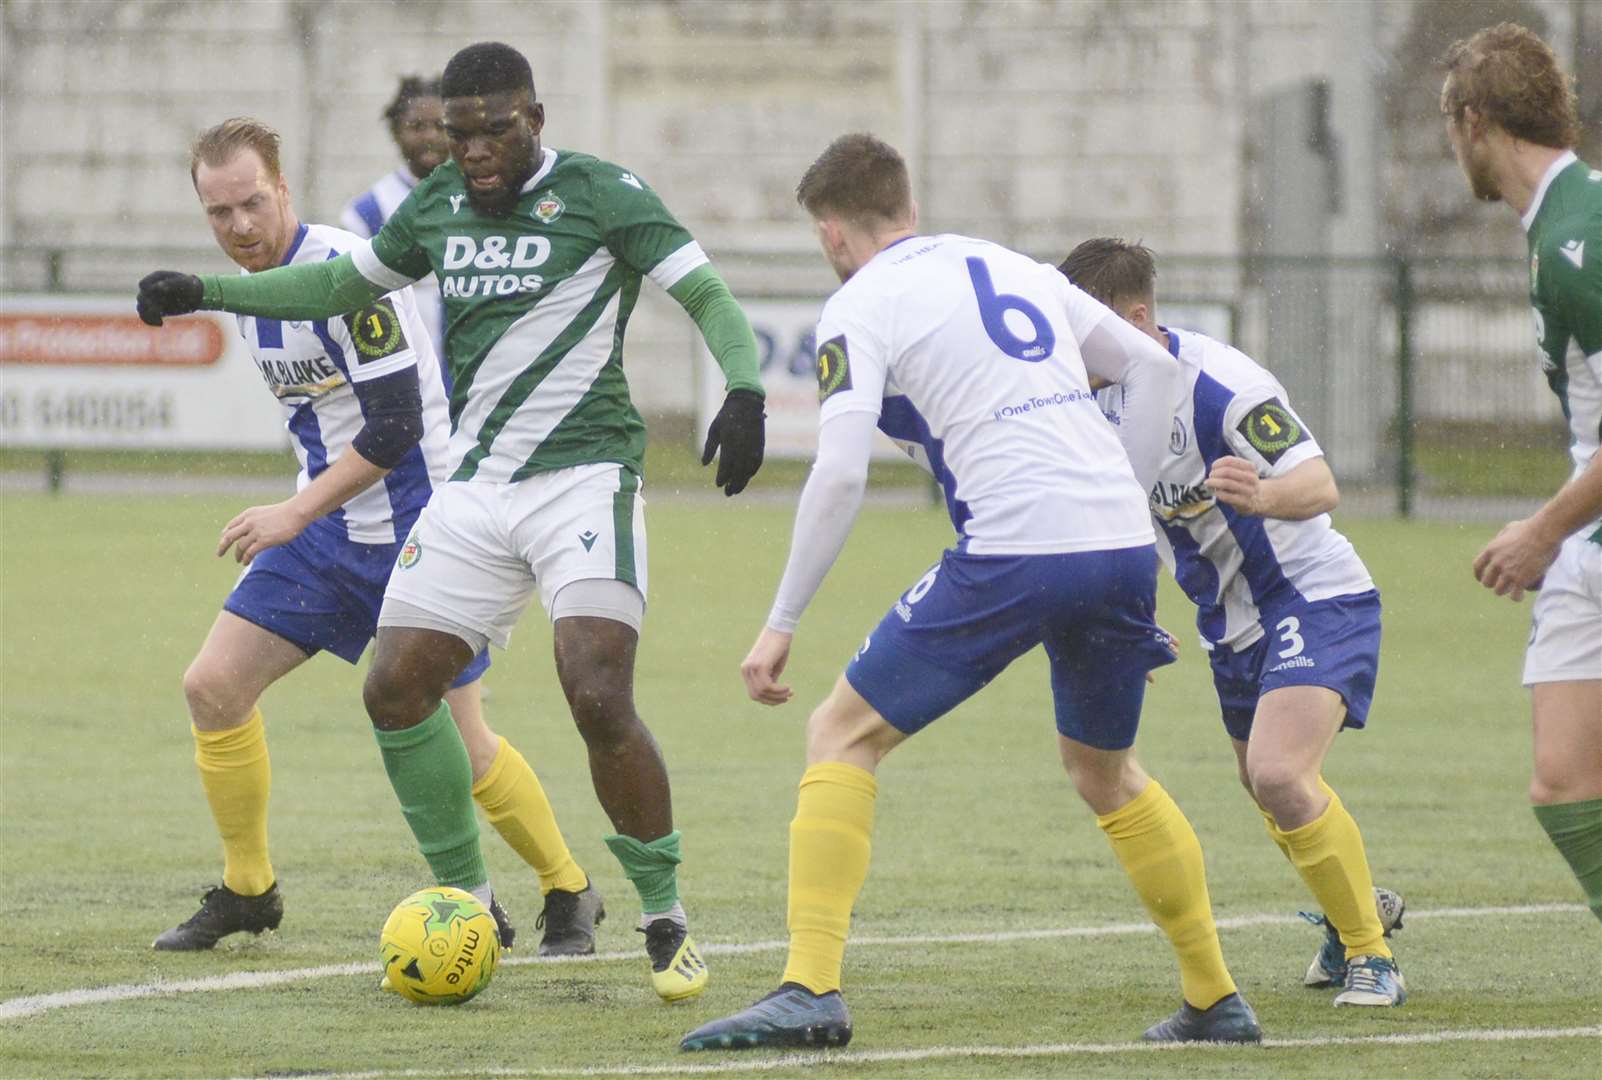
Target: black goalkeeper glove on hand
x=738 y=429
x=167 y=292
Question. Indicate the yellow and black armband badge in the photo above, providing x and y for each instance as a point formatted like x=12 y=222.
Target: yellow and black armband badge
x=834 y=368
x=376 y=331
x=1270 y=429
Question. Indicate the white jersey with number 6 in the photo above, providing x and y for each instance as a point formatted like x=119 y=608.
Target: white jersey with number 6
x=969 y=354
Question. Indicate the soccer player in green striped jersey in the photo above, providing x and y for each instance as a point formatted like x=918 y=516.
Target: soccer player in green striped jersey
x=1513 y=123
x=539 y=255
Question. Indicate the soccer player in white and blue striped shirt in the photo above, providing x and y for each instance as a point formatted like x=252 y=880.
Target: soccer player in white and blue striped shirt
x=416 y=118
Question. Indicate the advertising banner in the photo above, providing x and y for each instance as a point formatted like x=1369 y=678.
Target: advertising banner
x=84 y=372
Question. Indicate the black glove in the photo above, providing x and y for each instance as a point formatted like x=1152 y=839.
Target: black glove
x=167 y=292
x=738 y=429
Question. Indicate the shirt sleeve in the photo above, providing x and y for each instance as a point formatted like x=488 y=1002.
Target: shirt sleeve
x=1083 y=311
x=394 y=258
x=375 y=340
x=825 y=513
x=1260 y=426
x=853 y=362
x=639 y=229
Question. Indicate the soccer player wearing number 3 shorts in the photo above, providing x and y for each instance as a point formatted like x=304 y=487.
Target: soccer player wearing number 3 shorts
x=974 y=358
x=1513 y=123
x=540 y=255
x=1287 y=612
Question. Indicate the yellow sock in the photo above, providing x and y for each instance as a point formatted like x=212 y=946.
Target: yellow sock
x=237 y=775
x=1163 y=858
x=829 y=843
x=515 y=803
x=1273 y=832
x=1328 y=853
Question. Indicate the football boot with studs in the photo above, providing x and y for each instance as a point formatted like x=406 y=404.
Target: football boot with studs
x=223 y=912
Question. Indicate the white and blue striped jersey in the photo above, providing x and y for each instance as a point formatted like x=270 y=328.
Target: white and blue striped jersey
x=316 y=370
x=1238 y=569
x=366 y=214
x=969 y=354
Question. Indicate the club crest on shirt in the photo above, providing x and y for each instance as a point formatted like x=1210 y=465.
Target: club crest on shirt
x=1271 y=430
x=410 y=552
x=548 y=209
x=834 y=368
x=1179 y=438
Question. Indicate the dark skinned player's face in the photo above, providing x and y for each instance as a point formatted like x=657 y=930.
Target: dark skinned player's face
x=496 y=140
x=420 y=133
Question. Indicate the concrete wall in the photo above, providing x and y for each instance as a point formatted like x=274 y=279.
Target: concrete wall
x=1032 y=122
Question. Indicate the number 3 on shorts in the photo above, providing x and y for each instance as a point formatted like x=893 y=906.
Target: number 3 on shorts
x=1288 y=627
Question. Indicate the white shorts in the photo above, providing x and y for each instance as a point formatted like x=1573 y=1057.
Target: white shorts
x=1566 y=623
x=479 y=549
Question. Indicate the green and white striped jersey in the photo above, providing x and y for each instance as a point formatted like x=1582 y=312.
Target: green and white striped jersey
x=536 y=303
x=1564 y=224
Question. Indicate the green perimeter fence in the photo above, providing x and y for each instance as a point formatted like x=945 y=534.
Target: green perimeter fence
x=1420 y=377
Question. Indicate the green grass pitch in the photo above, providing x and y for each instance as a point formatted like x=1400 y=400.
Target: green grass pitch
x=105 y=839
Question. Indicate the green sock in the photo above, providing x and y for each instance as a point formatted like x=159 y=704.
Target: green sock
x=652 y=867
x=433 y=778
x=1576 y=831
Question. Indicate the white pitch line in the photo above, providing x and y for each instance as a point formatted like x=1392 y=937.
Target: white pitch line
x=747 y=1062
x=18 y=1008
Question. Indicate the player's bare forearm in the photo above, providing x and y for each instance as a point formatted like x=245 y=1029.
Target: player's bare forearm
x=261 y=527
x=1576 y=505
x=1518 y=557
x=1305 y=492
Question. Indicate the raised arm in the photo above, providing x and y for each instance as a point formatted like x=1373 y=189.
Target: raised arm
x=318 y=290
x=1152 y=383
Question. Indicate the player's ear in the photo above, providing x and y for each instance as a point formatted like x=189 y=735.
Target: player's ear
x=536 y=118
x=913 y=220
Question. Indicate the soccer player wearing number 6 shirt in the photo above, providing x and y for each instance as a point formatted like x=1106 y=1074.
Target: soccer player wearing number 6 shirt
x=1513 y=123
x=974 y=358
x=540 y=255
x=364 y=405
x=1288 y=614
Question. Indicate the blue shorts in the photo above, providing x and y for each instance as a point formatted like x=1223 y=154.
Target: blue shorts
x=321 y=592
x=972 y=615
x=1333 y=643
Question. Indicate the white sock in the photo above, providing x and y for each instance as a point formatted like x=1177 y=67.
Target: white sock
x=676 y=913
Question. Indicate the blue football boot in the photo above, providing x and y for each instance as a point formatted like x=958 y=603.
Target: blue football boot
x=1229 y=1020
x=790 y=1016
x=1329 y=965
x=1374 y=981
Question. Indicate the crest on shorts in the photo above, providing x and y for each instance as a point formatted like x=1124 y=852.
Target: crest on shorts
x=548 y=209
x=834 y=368
x=410 y=552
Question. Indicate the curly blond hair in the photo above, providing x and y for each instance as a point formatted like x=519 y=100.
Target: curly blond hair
x=1511 y=77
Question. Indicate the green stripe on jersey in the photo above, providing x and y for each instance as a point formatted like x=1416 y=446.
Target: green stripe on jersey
x=537 y=301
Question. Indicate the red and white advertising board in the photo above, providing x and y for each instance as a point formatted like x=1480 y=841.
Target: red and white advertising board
x=82 y=372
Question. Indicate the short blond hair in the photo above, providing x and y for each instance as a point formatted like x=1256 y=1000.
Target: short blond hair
x=1511 y=77
x=217 y=145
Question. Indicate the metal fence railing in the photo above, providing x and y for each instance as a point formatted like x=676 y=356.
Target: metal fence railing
x=1419 y=377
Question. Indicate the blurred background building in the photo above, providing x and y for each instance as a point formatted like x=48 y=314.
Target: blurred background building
x=1284 y=158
